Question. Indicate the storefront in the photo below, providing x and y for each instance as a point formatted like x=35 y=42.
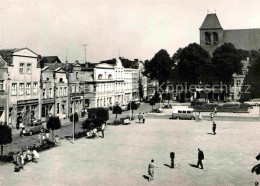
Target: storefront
x=47 y=107
x=28 y=110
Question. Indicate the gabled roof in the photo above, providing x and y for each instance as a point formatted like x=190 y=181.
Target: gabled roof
x=210 y=22
x=49 y=59
x=7 y=54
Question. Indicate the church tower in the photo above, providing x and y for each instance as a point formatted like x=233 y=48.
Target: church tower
x=211 y=33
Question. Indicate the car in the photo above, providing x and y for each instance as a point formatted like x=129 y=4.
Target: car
x=33 y=128
x=183 y=113
x=124 y=107
x=253 y=102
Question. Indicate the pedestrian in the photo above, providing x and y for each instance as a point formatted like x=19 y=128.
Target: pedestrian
x=199 y=117
x=211 y=116
x=36 y=156
x=140 y=117
x=144 y=117
x=215 y=110
x=151 y=167
x=200 y=158
x=103 y=130
x=21 y=125
x=214 y=127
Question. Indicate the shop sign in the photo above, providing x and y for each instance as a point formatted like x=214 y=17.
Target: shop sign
x=25 y=102
x=76 y=98
x=48 y=101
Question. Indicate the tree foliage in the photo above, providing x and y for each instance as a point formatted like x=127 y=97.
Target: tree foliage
x=5 y=136
x=117 y=110
x=192 y=62
x=132 y=106
x=227 y=61
x=141 y=89
x=159 y=67
x=53 y=123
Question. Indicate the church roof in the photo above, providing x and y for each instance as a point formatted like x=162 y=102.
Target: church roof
x=210 y=22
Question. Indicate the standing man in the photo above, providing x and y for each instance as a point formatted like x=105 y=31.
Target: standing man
x=214 y=127
x=151 y=167
x=144 y=117
x=200 y=158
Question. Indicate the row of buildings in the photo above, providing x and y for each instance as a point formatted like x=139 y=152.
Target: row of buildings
x=34 y=87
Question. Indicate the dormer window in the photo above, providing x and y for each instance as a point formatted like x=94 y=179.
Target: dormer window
x=61 y=80
x=100 y=76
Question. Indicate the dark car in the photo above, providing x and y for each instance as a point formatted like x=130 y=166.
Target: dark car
x=34 y=128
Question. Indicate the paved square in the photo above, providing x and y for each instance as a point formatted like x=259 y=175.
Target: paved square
x=122 y=157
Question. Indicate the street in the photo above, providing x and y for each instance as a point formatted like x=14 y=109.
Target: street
x=122 y=157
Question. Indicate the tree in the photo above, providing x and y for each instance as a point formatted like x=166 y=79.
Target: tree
x=5 y=136
x=141 y=89
x=227 y=61
x=191 y=63
x=117 y=110
x=76 y=119
x=152 y=102
x=53 y=124
x=132 y=106
x=159 y=68
x=253 y=78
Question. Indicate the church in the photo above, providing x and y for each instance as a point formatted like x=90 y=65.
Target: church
x=212 y=35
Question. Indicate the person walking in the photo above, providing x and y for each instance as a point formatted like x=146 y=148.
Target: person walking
x=144 y=117
x=211 y=116
x=214 y=127
x=215 y=111
x=140 y=117
x=151 y=167
x=200 y=158
x=199 y=117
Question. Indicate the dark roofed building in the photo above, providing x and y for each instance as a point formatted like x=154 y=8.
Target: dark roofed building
x=212 y=35
x=48 y=61
x=125 y=62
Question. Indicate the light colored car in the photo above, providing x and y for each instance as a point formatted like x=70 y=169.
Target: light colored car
x=33 y=128
x=253 y=102
x=183 y=113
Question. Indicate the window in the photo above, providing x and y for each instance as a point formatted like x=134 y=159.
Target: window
x=109 y=76
x=21 y=68
x=21 y=89
x=1 y=85
x=61 y=80
x=14 y=89
x=34 y=88
x=215 y=38
x=65 y=91
x=44 y=93
x=97 y=102
x=238 y=83
x=58 y=108
x=50 y=92
x=61 y=91
x=28 y=88
x=100 y=76
x=57 y=92
x=29 y=68
x=77 y=75
x=207 y=38
x=179 y=111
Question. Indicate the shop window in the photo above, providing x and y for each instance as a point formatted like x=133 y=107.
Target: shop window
x=21 y=68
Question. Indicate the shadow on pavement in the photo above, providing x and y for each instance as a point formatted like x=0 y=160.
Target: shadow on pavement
x=192 y=165
x=166 y=165
x=146 y=177
x=211 y=134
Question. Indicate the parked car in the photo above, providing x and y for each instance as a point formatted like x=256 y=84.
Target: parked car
x=34 y=127
x=183 y=113
x=124 y=107
x=253 y=102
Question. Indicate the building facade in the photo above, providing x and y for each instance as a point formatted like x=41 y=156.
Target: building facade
x=24 y=81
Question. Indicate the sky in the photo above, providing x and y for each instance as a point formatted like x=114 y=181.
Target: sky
x=133 y=29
